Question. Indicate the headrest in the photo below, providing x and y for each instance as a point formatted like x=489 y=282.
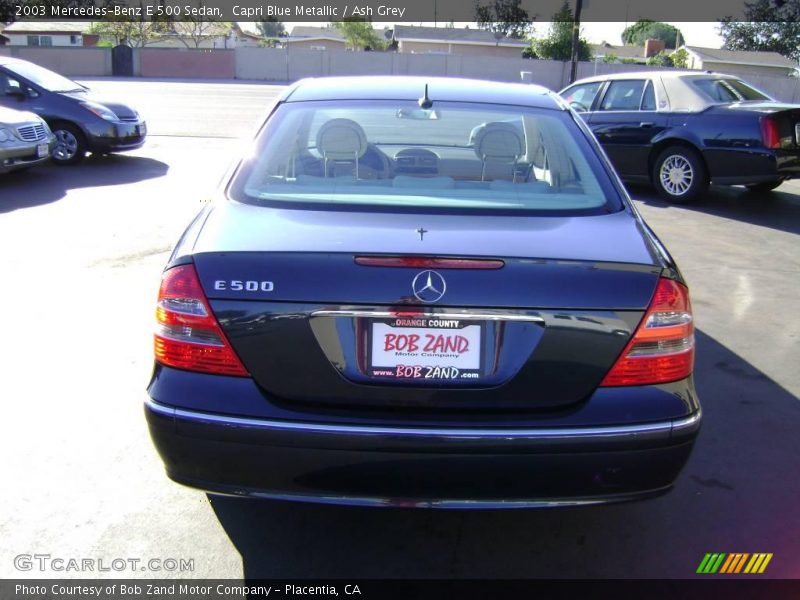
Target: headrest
x=498 y=142
x=341 y=139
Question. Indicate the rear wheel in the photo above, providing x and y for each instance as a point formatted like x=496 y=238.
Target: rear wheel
x=70 y=144
x=679 y=175
x=763 y=188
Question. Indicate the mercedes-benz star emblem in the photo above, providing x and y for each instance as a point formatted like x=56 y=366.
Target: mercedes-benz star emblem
x=428 y=286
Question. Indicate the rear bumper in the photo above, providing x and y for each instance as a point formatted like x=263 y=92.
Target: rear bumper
x=752 y=166
x=397 y=466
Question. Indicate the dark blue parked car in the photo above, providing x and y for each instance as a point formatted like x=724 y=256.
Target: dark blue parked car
x=683 y=130
x=80 y=122
x=423 y=292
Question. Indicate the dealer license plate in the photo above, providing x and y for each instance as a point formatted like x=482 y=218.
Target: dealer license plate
x=419 y=348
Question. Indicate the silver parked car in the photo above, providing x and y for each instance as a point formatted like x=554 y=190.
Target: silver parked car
x=25 y=140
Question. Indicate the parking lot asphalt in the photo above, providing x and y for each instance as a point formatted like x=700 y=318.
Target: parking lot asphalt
x=82 y=251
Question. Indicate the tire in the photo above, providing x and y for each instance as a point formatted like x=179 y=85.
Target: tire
x=680 y=175
x=763 y=188
x=70 y=144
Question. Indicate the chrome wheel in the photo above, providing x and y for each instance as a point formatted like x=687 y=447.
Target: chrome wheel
x=676 y=175
x=66 y=145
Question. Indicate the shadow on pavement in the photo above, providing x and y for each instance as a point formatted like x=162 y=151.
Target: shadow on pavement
x=46 y=184
x=779 y=209
x=737 y=494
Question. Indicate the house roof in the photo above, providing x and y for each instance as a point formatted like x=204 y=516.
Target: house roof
x=450 y=35
x=303 y=33
x=742 y=57
x=605 y=49
x=67 y=27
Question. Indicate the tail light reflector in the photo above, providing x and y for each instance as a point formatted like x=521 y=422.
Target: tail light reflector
x=188 y=335
x=662 y=347
x=770 y=134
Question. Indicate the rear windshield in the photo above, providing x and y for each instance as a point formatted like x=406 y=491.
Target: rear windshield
x=728 y=90
x=393 y=154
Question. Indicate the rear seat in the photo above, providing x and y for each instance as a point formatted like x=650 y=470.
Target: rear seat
x=437 y=183
x=534 y=187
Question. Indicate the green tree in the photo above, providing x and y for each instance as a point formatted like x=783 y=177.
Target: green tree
x=644 y=29
x=680 y=59
x=769 y=25
x=359 y=34
x=505 y=17
x=662 y=59
x=558 y=43
x=136 y=32
x=610 y=58
x=193 y=32
x=271 y=27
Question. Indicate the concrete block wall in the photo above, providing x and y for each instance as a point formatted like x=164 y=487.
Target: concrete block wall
x=201 y=64
x=280 y=65
x=72 y=62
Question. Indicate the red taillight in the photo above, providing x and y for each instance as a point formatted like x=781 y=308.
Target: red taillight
x=662 y=347
x=770 y=134
x=428 y=262
x=188 y=335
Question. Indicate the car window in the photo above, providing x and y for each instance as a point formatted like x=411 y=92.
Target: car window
x=453 y=156
x=623 y=94
x=649 y=98
x=728 y=90
x=8 y=85
x=581 y=97
x=42 y=77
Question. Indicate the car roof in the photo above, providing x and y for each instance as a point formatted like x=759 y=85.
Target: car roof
x=445 y=89
x=678 y=94
x=666 y=74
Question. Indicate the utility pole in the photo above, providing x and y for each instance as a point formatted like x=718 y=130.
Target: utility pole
x=576 y=33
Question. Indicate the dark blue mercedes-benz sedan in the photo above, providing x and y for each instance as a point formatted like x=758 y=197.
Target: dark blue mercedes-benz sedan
x=423 y=292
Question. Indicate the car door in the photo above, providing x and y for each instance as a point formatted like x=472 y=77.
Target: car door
x=625 y=122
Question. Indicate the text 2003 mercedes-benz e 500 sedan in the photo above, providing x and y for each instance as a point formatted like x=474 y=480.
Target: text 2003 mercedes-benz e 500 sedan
x=423 y=292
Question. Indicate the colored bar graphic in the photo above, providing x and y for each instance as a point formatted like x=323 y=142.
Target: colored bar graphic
x=720 y=562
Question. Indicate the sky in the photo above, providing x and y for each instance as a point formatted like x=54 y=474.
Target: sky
x=696 y=34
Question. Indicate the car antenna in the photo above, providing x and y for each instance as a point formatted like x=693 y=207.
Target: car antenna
x=425 y=102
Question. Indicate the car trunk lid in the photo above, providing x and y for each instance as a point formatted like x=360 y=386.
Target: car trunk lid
x=312 y=325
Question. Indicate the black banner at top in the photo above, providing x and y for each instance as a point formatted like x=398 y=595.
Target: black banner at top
x=380 y=11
